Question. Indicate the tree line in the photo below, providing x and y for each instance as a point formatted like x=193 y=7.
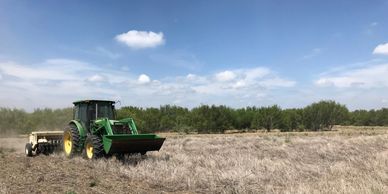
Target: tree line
x=317 y=116
x=17 y=121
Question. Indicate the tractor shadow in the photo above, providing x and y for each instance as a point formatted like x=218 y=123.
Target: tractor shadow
x=135 y=159
x=130 y=159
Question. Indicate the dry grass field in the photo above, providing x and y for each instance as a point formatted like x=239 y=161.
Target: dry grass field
x=348 y=160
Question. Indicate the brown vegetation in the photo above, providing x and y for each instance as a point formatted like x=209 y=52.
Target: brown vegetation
x=345 y=161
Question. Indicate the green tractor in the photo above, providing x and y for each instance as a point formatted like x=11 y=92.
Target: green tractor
x=95 y=132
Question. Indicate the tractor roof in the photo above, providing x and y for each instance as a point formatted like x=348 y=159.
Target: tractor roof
x=91 y=101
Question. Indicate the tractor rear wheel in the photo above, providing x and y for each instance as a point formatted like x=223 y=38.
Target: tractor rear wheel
x=94 y=148
x=70 y=140
x=28 y=150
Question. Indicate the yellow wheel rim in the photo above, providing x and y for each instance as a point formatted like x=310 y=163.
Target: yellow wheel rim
x=89 y=150
x=67 y=143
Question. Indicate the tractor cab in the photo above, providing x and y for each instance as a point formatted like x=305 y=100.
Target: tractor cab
x=87 y=111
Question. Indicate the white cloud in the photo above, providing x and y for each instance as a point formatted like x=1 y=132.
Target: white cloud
x=225 y=76
x=66 y=62
x=365 y=77
x=239 y=84
x=57 y=81
x=193 y=79
x=144 y=79
x=256 y=73
x=241 y=81
x=61 y=81
x=96 y=78
x=381 y=49
x=46 y=72
x=141 y=39
x=191 y=76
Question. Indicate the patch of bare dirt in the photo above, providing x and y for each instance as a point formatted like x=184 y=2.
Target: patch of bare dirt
x=57 y=174
x=14 y=143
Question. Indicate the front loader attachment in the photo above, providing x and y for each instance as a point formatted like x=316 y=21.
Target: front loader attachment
x=124 y=143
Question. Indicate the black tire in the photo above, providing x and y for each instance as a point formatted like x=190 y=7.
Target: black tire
x=37 y=150
x=97 y=150
x=41 y=149
x=47 y=149
x=72 y=149
x=28 y=150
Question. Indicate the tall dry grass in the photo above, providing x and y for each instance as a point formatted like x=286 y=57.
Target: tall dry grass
x=344 y=161
x=261 y=164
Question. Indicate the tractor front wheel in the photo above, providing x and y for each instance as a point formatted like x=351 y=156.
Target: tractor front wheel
x=94 y=148
x=70 y=140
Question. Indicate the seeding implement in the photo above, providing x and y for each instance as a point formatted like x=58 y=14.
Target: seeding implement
x=43 y=142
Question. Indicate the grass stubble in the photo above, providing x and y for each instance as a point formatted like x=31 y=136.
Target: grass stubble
x=338 y=163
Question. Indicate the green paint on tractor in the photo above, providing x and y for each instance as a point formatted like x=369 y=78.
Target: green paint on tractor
x=95 y=132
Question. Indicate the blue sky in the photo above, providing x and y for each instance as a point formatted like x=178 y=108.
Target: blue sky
x=237 y=53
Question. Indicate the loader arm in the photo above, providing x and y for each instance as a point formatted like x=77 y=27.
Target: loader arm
x=107 y=124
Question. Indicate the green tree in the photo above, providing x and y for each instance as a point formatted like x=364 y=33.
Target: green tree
x=291 y=120
x=324 y=115
x=267 y=117
x=214 y=119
